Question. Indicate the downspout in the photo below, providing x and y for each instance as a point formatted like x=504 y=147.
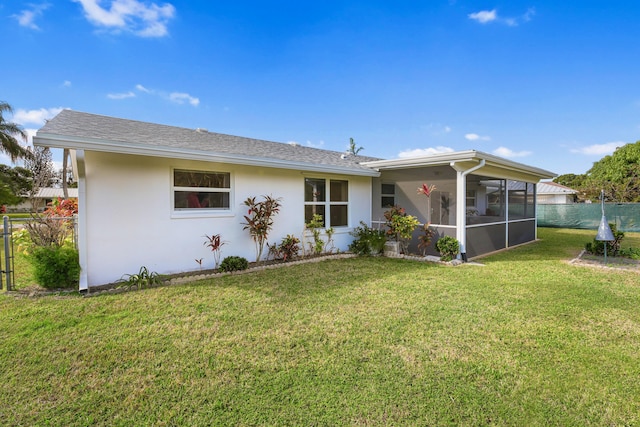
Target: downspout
x=82 y=219
x=461 y=206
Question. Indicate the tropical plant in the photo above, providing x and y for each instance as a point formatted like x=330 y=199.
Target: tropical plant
x=400 y=225
x=142 y=279
x=8 y=132
x=424 y=239
x=353 y=150
x=288 y=248
x=448 y=247
x=368 y=241
x=259 y=220
x=233 y=263
x=315 y=225
x=426 y=189
x=215 y=243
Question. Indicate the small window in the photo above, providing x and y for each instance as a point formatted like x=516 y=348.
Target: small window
x=336 y=205
x=388 y=195
x=201 y=190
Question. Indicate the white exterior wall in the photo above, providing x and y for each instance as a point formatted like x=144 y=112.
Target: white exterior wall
x=130 y=222
x=554 y=199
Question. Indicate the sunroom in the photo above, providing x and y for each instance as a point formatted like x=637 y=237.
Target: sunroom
x=486 y=202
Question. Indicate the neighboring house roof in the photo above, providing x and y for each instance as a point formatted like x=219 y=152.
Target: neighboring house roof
x=477 y=161
x=553 y=188
x=84 y=131
x=53 y=193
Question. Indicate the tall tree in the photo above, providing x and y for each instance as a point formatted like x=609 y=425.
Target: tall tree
x=8 y=133
x=15 y=183
x=617 y=174
x=40 y=164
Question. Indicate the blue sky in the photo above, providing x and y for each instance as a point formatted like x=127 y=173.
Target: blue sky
x=549 y=83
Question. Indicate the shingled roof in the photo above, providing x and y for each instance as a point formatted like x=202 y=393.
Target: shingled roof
x=84 y=131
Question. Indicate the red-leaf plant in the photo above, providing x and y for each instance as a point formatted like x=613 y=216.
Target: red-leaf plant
x=259 y=220
x=215 y=243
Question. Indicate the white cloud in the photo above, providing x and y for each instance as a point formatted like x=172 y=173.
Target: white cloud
x=36 y=117
x=419 y=152
x=529 y=14
x=508 y=153
x=124 y=95
x=484 y=16
x=488 y=16
x=141 y=18
x=476 y=137
x=27 y=17
x=599 y=149
x=180 y=98
x=142 y=88
x=66 y=83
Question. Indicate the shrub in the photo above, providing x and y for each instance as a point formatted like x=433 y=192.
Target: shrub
x=633 y=253
x=56 y=267
x=400 y=225
x=596 y=247
x=234 y=263
x=289 y=247
x=448 y=247
x=368 y=240
x=143 y=279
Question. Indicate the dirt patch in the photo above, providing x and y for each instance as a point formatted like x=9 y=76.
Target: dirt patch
x=597 y=261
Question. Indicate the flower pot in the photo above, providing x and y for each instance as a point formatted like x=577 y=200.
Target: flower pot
x=392 y=249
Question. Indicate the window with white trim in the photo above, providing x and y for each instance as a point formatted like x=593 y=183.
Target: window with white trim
x=201 y=190
x=328 y=198
x=387 y=195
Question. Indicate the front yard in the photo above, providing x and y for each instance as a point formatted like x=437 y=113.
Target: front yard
x=526 y=339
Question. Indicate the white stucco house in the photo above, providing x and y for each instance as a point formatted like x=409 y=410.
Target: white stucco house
x=148 y=193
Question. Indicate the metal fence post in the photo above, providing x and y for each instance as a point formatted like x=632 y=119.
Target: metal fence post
x=7 y=252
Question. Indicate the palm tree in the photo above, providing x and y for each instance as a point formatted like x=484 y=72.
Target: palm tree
x=8 y=132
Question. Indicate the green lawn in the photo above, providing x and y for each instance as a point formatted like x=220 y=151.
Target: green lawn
x=526 y=339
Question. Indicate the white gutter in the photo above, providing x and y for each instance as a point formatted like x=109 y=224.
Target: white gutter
x=82 y=218
x=461 y=205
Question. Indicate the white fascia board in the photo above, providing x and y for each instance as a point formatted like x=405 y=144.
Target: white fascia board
x=472 y=156
x=74 y=143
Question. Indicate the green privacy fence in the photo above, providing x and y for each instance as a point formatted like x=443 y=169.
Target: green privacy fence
x=626 y=216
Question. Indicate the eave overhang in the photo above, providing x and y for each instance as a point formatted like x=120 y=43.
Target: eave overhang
x=496 y=167
x=106 y=146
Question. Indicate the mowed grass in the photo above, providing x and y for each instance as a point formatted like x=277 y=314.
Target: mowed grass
x=526 y=339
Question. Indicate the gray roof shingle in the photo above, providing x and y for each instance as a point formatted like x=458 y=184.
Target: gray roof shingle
x=96 y=130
